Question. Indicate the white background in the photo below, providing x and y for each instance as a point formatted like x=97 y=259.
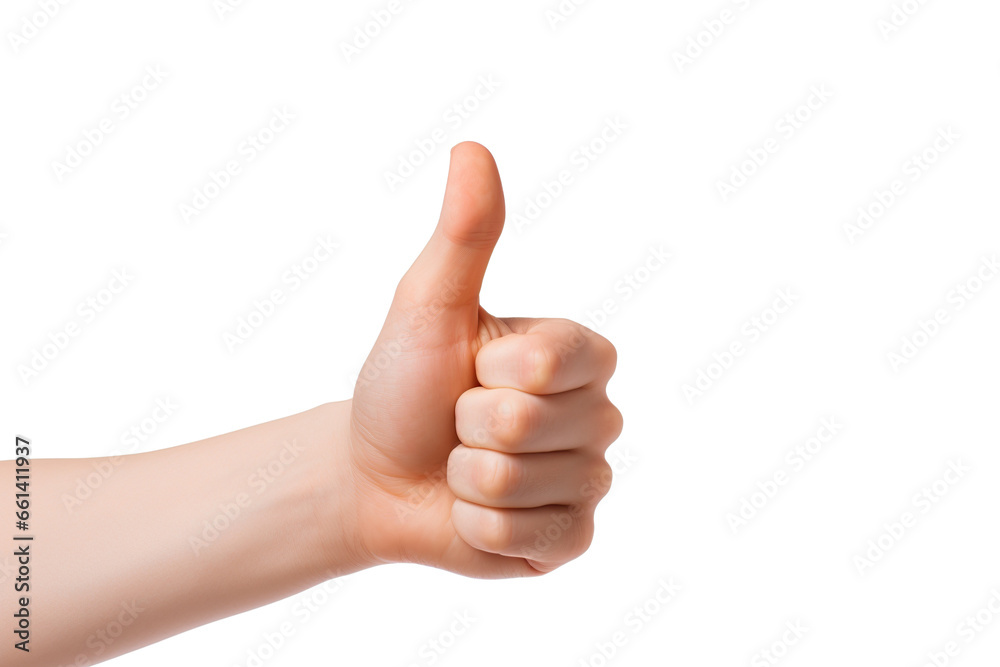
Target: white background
x=688 y=125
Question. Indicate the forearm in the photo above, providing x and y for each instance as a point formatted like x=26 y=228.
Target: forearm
x=180 y=537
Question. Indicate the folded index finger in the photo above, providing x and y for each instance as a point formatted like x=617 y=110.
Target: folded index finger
x=545 y=357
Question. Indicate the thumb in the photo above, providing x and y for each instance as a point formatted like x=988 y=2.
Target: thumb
x=453 y=263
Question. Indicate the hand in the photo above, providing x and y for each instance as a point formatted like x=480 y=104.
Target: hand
x=477 y=443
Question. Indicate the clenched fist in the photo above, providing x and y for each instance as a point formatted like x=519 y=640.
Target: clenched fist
x=477 y=443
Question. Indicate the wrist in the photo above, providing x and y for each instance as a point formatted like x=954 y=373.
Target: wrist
x=334 y=485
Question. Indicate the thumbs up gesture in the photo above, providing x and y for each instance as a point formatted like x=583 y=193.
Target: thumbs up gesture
x=477 y=443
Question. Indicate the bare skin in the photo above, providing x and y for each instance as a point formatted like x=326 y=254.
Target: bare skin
x=472 y=443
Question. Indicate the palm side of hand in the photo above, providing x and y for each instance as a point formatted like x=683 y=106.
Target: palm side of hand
x=403 y=431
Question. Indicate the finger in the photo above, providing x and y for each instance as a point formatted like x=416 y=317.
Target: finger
x=546 y=357
x=464 y=559
x=554 y=534
x=451 y=267
x=516 y=422
x=495 y=479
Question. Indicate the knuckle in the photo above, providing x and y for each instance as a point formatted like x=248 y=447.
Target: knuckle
x=607 y=353
x=573 y=334
x=583 y=537
x=497 y=530
x=499 y=478
x=613 y=422
x=423 y=301
x=567 y=535
x=600 y=478
x=541 y=364
x=575 y=539
x=518 y=424
x=411 y=292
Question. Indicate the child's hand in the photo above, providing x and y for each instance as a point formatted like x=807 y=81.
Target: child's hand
x=477 y=443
